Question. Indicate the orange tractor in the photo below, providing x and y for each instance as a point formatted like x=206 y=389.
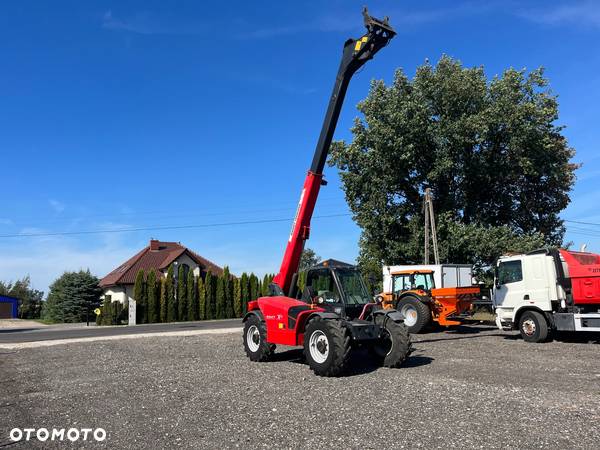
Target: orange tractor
x=414 y=294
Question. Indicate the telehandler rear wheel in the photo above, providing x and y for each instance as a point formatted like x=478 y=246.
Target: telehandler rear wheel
x=394 y=346
x=326 y=347
x=417 y=314
x=255 y=340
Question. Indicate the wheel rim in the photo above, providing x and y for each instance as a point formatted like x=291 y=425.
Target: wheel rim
x=410 y=315
x=319 y=346
x=253 y=338
x=528 y=327
x=385 y=345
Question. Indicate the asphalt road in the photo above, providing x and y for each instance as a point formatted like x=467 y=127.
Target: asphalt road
x=472 y=388
x=16 y=335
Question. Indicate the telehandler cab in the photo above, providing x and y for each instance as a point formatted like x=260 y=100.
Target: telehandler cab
x=334 y=312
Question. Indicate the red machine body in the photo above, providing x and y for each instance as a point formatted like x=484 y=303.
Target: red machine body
x=584 y=272
x=284 y=316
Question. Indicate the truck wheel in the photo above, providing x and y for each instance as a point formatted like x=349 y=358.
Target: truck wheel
x=416 y=313
x=255 y=340
x=394 y=346
x=326 y=347
x=533 y=327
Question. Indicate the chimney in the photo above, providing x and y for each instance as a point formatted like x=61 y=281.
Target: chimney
x=154 y=245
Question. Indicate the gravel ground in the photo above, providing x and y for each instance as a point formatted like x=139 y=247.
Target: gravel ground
x=471 y=388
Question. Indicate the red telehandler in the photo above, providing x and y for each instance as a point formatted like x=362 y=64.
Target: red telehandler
x=334 y=313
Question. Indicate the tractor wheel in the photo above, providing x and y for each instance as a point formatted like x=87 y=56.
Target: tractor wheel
x=533 y=327
x=394 y=346
x=326 y=347
x=417 y=314
x=255 y=340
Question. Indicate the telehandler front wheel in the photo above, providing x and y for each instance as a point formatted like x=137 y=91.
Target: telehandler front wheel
x=394 y=346
x=326 y=347
x=255 y=340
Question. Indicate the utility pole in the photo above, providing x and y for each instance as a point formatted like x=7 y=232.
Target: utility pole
x=430 y=222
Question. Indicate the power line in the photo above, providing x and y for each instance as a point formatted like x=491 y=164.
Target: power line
x=167 y=227
x=582 y=223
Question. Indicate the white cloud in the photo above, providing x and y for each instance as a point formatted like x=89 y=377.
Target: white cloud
x=45 y=259
x=582 y=13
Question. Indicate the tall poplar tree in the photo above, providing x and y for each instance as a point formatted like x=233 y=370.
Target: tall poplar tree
x=220 y=298
x=209 y=282
x=163 y=300
x=153 y=293
x=181 y=294
x=245 y=292
x=201 y=299
x=192 y=297
x=139 y=295
x=170 y=288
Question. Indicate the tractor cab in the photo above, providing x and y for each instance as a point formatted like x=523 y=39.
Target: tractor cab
x=418 y=281
x=336 y=287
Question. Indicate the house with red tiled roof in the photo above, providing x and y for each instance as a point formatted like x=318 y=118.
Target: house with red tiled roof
x=158 y=255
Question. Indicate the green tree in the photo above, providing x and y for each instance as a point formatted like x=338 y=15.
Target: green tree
x=140 y=297
x=71 y=296
x=228 y=290
x=254 y=287
x=153 y=297
x=182 y=293
x=192 y=297
x=308 y=259
x=209 y=282
x=164 y=306
x=245 y=292
x=106 y=313
x=267 y=279
x=30 y=300
x=490 y=151
x=220 y=298
x=201 y=299
x=170 y=288
x=237 y=298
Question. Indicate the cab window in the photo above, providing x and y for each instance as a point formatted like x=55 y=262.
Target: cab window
x=423 y=281
x=401 y=283
x=323 y=285
x=510 y=272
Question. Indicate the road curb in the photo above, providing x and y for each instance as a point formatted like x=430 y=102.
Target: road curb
x=50 y=343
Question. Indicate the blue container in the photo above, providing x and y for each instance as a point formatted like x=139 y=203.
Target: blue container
x=14 y=307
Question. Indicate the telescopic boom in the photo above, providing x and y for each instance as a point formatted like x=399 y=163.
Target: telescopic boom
x=356 y=52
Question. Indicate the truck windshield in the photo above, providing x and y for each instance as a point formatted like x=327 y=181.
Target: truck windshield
x=353 y=286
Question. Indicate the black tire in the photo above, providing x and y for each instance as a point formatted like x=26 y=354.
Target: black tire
x=255 y=340
x=326 y=347
x=533 y=327
x=394 y=347
x=422 y=313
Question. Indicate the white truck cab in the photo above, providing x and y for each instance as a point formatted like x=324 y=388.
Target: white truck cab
x=533 y=293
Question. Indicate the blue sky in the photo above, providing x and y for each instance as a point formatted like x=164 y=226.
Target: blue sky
x=128 y=114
